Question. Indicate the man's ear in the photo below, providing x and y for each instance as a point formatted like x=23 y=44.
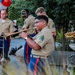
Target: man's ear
x=44 y=22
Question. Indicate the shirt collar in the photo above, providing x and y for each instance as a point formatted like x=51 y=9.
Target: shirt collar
x=44 y=29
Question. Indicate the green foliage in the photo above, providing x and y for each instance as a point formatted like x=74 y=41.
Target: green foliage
x=61 y=11
x=20 y=22
x=74 y=71
x=64 y=12
x=13 y=13
x=62 y=1
x=59 y=36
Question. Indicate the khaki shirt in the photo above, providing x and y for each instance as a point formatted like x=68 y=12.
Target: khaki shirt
x=29 y=24
x=7 y=26
x=51 y=25
x=45 y=40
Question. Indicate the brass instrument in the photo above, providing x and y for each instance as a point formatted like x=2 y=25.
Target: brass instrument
x=70 y=35
x=24 y=30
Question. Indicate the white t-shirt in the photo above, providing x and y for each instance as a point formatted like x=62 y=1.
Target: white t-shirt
x=3 y=21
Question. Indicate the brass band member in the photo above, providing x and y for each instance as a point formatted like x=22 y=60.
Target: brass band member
x=42 y=45
x=6 y=26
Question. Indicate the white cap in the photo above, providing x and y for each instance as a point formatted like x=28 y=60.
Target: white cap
x=14 y=20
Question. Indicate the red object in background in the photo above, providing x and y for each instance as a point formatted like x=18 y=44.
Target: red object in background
x=6 y=2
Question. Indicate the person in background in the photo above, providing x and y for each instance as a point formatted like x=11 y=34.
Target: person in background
x=28 y=24
x=42 y=46
x=15 y=24
x=51 y=25
x=6 y=27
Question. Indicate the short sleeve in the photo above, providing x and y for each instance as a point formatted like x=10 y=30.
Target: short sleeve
x=26 y=24
x=42 y=39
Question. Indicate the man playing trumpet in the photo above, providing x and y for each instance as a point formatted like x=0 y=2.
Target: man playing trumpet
x=42 y=45
x=29 y=26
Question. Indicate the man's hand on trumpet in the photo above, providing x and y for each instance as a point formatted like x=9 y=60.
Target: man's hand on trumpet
x=24 y=34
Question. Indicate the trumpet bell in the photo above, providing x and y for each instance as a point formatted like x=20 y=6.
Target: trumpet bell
x=72 y=46
x=70 y=35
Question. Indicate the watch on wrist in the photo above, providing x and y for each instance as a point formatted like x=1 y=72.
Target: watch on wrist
x=26 y=38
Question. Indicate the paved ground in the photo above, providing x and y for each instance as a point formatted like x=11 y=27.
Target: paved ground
x=17 y=42
x=13 y=67
x=14 y=64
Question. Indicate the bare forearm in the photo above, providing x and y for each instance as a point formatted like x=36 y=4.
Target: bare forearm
x=32 y=44
x=29 y=41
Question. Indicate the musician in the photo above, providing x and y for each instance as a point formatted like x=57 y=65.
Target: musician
x=42 y=45
x=6 y=27
x=29 y=21
x=28 y=24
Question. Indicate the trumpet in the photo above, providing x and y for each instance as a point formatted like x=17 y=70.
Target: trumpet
x=70 y=35
x=11 y=34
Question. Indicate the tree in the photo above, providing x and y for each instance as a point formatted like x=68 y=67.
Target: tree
x=61 y=11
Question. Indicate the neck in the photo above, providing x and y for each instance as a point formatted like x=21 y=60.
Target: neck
x=4 y=18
